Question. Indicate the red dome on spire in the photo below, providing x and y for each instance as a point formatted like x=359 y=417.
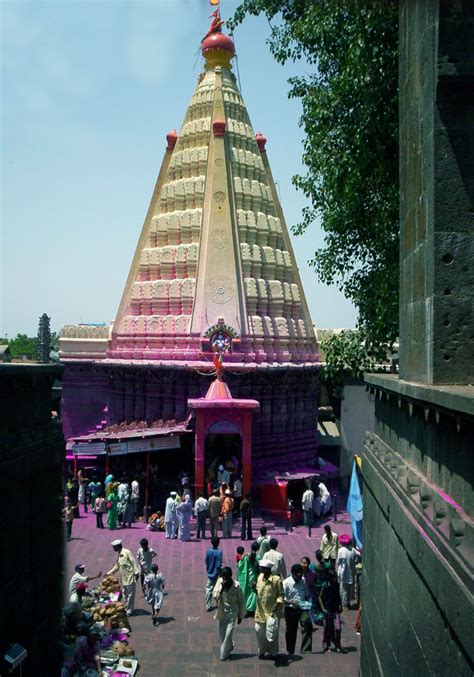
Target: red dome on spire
x=217 y=41
x=171 y=139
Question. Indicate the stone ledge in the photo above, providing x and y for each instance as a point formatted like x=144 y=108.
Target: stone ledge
x=447 y=523
x=458 y=399
x=30 y=369
x=440 y=577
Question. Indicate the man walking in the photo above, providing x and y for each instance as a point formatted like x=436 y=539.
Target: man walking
x=129 y=571
x=279 y=564
x=214 y=507
x=135 y=498
x=246 y=515
x=227 y=509
x=171 y=517
x=296 y=594
x=270 y=598
x=307 y=505
x=230 y=608
x=263 y=543
x=329 y=546
x=213 y=569
x=200 y=510
x=346 y=571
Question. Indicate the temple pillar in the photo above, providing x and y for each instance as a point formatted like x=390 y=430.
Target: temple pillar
x=200 y=439
x=247 y=451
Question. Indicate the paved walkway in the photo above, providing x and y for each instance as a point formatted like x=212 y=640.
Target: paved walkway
x=187 y=638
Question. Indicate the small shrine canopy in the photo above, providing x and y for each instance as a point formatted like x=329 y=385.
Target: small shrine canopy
x=219 y=412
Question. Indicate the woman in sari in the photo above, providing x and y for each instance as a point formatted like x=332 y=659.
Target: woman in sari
x=320 y=568
x=248 y=570
x=111 y=505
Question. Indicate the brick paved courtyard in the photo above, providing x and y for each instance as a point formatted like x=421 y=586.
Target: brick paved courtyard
x=187 y=639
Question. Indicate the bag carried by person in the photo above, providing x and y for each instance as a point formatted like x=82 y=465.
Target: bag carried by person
x=271 y=629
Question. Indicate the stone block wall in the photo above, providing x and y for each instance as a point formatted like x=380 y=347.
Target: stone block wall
x=418 y=531
x=436 y=191
x=32 y=530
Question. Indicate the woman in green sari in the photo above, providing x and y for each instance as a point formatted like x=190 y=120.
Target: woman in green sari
x=112 y=501
x=320 y=568
x=247 y=572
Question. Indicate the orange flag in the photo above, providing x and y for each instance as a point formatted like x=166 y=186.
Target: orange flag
x=214 y=2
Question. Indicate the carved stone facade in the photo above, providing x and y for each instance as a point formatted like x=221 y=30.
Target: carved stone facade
x=283 y=432
x=214 y=243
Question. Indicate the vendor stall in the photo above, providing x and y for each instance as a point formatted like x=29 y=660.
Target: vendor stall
x=99 y=629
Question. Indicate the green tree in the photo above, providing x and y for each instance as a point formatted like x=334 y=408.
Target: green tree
x=350 y=118
x=23 y=345
x=54 y=341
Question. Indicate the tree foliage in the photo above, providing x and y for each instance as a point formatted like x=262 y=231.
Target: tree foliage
x=28 y=346
x=23 y=345
x=350 y=119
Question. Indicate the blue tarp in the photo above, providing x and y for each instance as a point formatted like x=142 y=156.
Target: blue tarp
x=355 y=507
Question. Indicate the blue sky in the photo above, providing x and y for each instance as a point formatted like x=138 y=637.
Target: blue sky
x=89 y=90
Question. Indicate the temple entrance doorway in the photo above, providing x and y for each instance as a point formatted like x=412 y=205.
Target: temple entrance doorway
x=223 y=446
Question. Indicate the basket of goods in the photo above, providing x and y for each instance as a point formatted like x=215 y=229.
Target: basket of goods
x=114 y=615
x=122 y=649
x=109 y=584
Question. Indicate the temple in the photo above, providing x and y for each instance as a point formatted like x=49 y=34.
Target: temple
x=213 y=281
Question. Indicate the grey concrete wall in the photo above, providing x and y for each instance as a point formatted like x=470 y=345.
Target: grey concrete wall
x=437 y=191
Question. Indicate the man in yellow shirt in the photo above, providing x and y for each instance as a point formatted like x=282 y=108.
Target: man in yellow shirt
x=129 y=572
x=329 y=545
x=270 y=600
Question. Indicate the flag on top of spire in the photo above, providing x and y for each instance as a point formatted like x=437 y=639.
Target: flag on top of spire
x=214 y=2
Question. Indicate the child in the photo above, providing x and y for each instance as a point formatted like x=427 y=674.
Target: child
x=68 y=514
x=154 y=586
x=240 y=553
x=156 y=522
x=99 y=509
x=144 y=557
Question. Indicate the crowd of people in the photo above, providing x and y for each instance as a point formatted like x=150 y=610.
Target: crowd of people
x=312 y=594
x=116 y=501
x=258 y=584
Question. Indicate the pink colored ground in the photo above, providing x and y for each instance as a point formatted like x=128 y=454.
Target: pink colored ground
x=187 y=640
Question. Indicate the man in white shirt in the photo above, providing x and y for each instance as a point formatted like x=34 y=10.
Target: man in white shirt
x=322 y=504
x=279 y=564
x=200 y=510
x=307 y=505
x=78 y=577
x=345 y=568
x=296 y=595
x=135 y=497
x=171 y=518
x=122 y=491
